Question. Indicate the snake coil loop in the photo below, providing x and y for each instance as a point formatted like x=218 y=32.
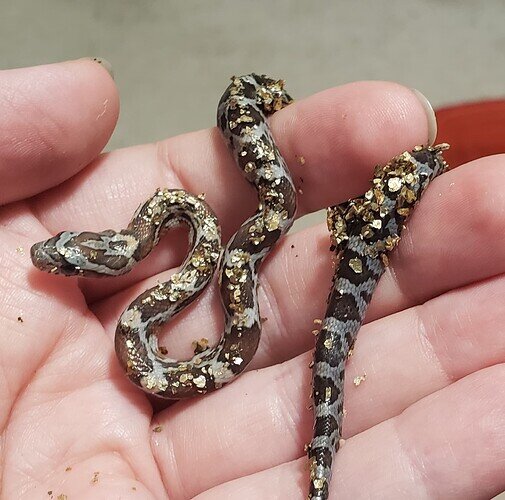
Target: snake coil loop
x=241 y=117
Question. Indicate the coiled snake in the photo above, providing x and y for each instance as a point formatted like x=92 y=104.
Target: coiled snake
x=241 y=116
x=363 y=231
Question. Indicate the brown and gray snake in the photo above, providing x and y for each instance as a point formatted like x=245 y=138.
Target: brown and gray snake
x=363 y=231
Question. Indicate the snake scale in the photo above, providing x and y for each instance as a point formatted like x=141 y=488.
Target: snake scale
x=363 y=231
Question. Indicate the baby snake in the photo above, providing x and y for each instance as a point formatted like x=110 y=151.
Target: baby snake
x=241 y=116
x=363 y=231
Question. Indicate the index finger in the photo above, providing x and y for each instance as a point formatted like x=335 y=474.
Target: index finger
x=54 y=119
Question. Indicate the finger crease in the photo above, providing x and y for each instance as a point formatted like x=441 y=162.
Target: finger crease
x=175 y=476
x=420 y=313
x=167 y=166
x=272 y=305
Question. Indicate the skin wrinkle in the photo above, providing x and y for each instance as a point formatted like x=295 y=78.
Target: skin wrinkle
x=133 y=473
x=446 y=445
x=475 y=189
x=273 y=313
x=21 y=390
x=265 y=347
x=9 y=392
x=170 y=489
x=105 y=378
x=289 y=408
x=170 y=175
x=18 y=94
x=33 y=208
x=68 y=453
x=66 y=320
x=97 y=455
x=10 y=214
x=287 y=266
x=416 y=466
x=39 y=135
x=402 y=289
x=424 y=335
x=452 y=377
x=482 y=218
x=50 y=135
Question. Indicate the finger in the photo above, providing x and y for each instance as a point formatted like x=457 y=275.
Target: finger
x=455 y=237
x=427 y=452
x=423 y=452
x=340 y=133
x=402 y=358
x=54 y=119
x=266 y=403
x=294 y=283
x=397 y=361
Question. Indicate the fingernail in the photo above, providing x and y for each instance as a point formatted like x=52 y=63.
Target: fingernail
x=103 y=62
x=430 y=116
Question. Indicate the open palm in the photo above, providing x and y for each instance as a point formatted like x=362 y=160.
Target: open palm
x=427 y=421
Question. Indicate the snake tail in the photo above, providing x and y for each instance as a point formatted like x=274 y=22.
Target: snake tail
x=363 y=232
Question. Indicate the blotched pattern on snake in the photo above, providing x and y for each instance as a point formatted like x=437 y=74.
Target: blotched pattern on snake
x=241 y=116
x=363 y=231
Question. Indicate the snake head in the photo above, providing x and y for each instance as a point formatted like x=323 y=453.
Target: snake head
x=86 y=253
x=53 y=257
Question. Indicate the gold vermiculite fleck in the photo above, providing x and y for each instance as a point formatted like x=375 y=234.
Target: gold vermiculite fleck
x=327 y=394
x=359 y=379
x=356 y=265
x=394 y=184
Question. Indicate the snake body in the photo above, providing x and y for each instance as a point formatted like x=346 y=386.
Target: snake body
x=241 y=116
x=363 y=232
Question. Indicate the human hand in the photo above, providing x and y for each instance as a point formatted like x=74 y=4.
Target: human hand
x=427 y=420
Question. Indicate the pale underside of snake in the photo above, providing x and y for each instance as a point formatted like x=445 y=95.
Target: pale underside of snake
x=363 y=231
